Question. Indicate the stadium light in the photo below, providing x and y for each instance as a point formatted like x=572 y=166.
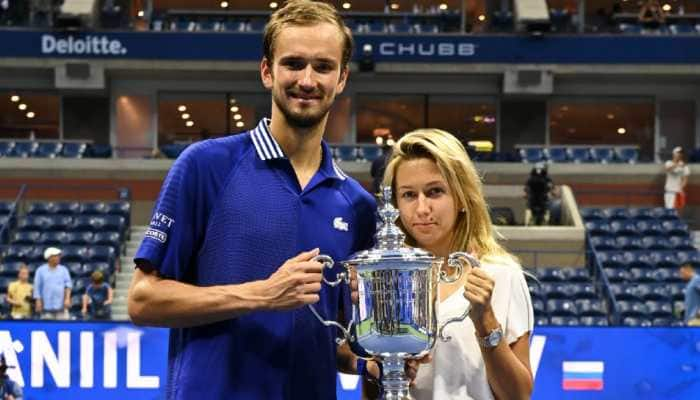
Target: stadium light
x=610 y=116
x=185 y=116
x=224 y=4
x=482 y=18
x=234 y=109
x=237 y=117
x=621 y=131
x=240 y=124
x=14 y=98
x=443 y=6
x=273 y=4
x=22 y=106
x=182 y=108
x=30 y=114
x=666 y=7
x=394 y=6
x=189 y=123
x=347 y=6
x=140 y=13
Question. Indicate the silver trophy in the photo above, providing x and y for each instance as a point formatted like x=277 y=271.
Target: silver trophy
x=395 y=318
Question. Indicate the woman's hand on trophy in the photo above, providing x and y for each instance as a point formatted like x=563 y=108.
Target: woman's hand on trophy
x=296 y=283
x=478 y=289
x=411 y=368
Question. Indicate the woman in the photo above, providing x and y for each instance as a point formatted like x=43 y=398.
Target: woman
x=438 y=193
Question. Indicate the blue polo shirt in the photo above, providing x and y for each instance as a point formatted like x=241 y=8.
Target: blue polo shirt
x=231 y=211
x=692 y=298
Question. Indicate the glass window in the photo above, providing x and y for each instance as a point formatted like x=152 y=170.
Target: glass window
x=339 y=125
x=189 y=117
x=134 y=126
x=25 y=115
x=392 y=114
x=465 y=118
x=86 y=118
x=603 y=122
x=523 y=122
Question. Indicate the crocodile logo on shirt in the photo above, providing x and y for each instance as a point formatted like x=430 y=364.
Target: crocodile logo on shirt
x=339 y=224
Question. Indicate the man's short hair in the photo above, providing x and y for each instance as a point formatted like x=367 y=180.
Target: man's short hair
x=305 y=13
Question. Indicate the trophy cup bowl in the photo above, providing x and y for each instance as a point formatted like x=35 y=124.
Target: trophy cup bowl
x=395 y=318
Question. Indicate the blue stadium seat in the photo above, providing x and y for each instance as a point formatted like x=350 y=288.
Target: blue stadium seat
x=681 y=29
x=74 y=254
x=662 y=213
x=594 y=321
x=653 y=292
x=23 y=149
x=108 y=238
x=692 y=257
x=535 y=290
x=400 y=27
x=557 y=320
x=532 y=154
x=676 y=291
x=590 y=214
x=6 y=148
x=59 y=222
x=562 y=308
x=616 y=275
x=539 y=307
x=80 y=238
x=603 y=243
x=93 y=208
x=80 y=284
x=257 y=25
x=636 y=321
x=603 y=155
x=113 y=223
x=591 y=307
x=346 y=152
x=33 y=223
x=4 y=283
x=104 y=267
x=83 y=223
x=628 y=155
x=10 y=269
x=556 y=154
x=643 y=275
x=577 y=275
x=47 y=150
x=664 y=259
x=675 y=228
x=612 y=259
x=555 y=291
x=668 y=276
x=54 y=239
x=101 y=254
x=638 y=259
x=546 y=274
x=41 y=208
x=656 y=243
x=580 y=154
x=664 y=322
x=6 y=207
x=629 y=243
x=635 y=309
x=502 y=21
x=77 y=270
x=369 y=153
x=659 y=309
x=541 y=320
x=122 y=208
x=67 y=208
x=616 y=213
x=99 y=151
x=35 y=255
x=641 y=213
x=73 y=149
x=598 y=228
x=649 y=227
x=624 y=227
x=681 y=243
x=581 y=291
x=26 y=237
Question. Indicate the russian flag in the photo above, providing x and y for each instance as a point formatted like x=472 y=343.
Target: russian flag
x=582 y=375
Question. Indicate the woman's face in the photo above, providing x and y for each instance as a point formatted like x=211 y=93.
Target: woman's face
x=428 y=210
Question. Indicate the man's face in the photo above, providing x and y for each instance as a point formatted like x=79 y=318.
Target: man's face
x=686 y=273
x=54 y=260
x=306 y=73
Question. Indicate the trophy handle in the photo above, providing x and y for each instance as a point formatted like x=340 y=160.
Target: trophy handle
x=341 y=277
x=456 y=260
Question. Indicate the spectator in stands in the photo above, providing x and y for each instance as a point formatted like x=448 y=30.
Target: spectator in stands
x=9 y=389
x=442 y=209
x=651 y=16
x=52 y=287
x=692 y=294
x=97 y=299
x=19 y=295
x=677 y=173
x=228 y=261
x=538 y=189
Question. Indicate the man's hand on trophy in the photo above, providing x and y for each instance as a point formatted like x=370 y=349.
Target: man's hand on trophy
x=411 y=368
x=478 y=289
x=296 y=283
x=354 y=294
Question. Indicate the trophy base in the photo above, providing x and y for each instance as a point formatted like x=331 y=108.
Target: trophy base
x=394 y=382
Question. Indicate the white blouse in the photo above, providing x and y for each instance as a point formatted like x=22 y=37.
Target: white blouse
x=458 y=370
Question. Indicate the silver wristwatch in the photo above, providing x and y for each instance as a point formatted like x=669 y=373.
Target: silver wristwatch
x=492 y=339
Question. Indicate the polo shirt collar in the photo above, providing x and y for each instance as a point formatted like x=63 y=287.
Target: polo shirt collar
x=267 y=148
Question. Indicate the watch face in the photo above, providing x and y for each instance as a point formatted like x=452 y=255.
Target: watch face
x=494 y=338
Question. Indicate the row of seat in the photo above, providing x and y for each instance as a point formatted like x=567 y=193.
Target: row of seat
x=77 y=269
x=672 y=29
x=641 y=292
x=635 y=227
x=642 y=243
x=572 y=321
x=53 y=149
x=62 y=238
x=80 y=223
x=80 y=254
x=341 y=152
x=570 y=307
x=623 y=213
x=647 y=259
x=122 y=208
x=577 y=154
x=642 y=275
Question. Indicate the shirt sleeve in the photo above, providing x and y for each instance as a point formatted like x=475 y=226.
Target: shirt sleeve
x=686 y=171
x=521 y=318
x=38 y=283
x=177 y=223
x=68 y=282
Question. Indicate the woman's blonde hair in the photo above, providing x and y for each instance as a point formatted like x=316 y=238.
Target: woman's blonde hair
x=305 y=13
x=473 y=230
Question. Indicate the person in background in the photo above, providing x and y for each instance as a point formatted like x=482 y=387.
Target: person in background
x=19 y=295
x=52 y=287
x=98 y=297
x=9 y=389
x=692 y=294
x=538 y=188
x=677 y=173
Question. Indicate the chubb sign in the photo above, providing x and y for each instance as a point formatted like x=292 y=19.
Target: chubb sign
x=91 y=357
x=81 y=45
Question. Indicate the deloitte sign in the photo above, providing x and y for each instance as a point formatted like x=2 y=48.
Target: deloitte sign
x=79 y=46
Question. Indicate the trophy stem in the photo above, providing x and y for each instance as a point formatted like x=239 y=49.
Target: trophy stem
x=394 y=380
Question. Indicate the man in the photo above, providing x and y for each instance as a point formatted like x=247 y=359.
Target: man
x=227 y=261
x=692 y=294
x=537 y=188
x=677 y=173
x=9 y=389
x=98 y=298
x=52 y=287
x=19 y=294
